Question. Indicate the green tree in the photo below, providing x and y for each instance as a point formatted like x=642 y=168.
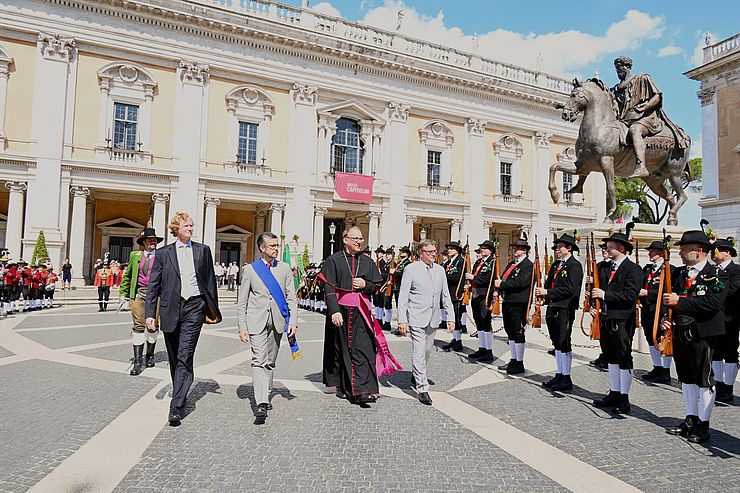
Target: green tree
x=306 y=256
x=633 y=192
x=40 y=252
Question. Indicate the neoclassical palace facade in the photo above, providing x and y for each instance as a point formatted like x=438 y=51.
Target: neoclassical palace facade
x=114 y=113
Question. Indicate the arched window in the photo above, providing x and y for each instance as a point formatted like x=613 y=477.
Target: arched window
x=347 y=148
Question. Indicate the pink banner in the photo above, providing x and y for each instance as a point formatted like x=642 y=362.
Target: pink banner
x=353 y=187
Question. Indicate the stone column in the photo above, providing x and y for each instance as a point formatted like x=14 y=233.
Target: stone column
x=276 y=219
x=709 y=149
x=396 y=149
x=190 y=134
x=455 y=225
x=318 y=233
x=77 y=233
x=259 y=228
x=53 y=76
x=209 y=228
x=159 y=218
x=374 y=237
x=14 y=231
x=542 y=159
x=410 y=220
x=4 y=75
x=475 y=156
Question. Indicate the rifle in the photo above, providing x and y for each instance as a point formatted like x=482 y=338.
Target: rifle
x=546 y=259
x=467 y=267
x=638 y=305
x=390 y=282
x=495 y=307
x=536 y=319
x=664 y=344
x=588 y=288
x=595 y=321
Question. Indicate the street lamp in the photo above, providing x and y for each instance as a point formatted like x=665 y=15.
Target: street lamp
x=423 y=233
x=332 y=231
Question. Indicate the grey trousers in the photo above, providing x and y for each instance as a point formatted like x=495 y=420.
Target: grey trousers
x=422 y=341
x=265 y=346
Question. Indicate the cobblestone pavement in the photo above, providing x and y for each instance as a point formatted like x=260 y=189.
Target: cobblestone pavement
x=74 y=420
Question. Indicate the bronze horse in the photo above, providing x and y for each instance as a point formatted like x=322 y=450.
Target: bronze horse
x=600 y=146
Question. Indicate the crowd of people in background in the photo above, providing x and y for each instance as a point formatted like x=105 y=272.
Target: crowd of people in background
x=26 y=287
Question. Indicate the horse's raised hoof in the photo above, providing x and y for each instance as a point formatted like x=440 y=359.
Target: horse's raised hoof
x=640 y=172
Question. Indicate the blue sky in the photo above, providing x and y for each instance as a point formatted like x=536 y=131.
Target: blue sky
x=571 y=38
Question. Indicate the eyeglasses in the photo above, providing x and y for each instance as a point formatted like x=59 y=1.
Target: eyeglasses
x=429 y=251
x=273 y=246
x=355 y=238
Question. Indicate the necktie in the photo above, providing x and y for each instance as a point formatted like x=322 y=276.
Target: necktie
x=186 y=271
x=614 y=271
x=145 y=267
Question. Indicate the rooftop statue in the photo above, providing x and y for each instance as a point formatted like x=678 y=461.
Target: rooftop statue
x=625 y=132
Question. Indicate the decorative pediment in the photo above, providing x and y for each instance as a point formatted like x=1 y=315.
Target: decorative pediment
x=567 y=155
x=233 y=229
x=352 y=109
x=121 y=222
x=126 y=75
x=6 y=61
x=250 y=99
x=437 y=131
x=509 y=146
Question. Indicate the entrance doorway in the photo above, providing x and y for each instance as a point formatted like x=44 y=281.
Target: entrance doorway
x=120 y=248
x=230 y=252
x=338 y=244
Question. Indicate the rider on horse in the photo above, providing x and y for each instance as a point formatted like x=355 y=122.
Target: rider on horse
x=639 y=107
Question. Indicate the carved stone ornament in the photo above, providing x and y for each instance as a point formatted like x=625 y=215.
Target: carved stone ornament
x=128 y=73
x=706 y=96
x=437 y=132
x=160 y=198
x=456 y=223
x=508 y=146
x=398 y=111
x=374 y=215
x=55 y=47
x=411 y=219
x=16 y=186
x=542 y=139
x=212 y=201
x=194 y=72
x=277 y=207
x=320 y=211
x=305 y=94
x=477 y=126
x=79 y=191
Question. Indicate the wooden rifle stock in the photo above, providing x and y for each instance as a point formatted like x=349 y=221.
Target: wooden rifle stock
x=664 y=344
x=588 y=288
x=468 y=267
x=496 y=303
x=536 y=320
x=596 y=320
x=389 y=284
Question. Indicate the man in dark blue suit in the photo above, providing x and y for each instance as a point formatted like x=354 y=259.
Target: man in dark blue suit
x=184 y=284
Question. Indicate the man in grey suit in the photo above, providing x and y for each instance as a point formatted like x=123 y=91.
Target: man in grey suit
x=423 y=287
x=260 y=317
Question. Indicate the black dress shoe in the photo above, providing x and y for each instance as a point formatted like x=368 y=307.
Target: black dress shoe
x=269 y=406
x=174 y=418
x=487 y=357
x=516 y=369
x=551 y=352
x=507 y=365
x=653 y=374
x=685 y=428
x=623 y=406
x=700 y=433
x=463 y=329
x=425 y=399
x=453 y=346
x=565 y=384
x=341 y=394
x=479 y=353
x=553 y=380
x=610 y=399
x=261 y=411
x=727 y=394
x=664 y=376
x=474 y=334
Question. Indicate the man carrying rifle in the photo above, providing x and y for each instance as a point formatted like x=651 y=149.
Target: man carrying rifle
x=386 y=299
x=454 y=268
x=515 y=288
x=699 y=294
x=481 y=281
x=725 y=360
x=603 y=268
x=561 y=292
x=397 y=273
x=651 y=279
x=619 y=295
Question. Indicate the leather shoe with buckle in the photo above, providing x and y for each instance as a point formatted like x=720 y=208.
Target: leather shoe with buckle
x=685 y=428
x=700 y=433
x=425 y=399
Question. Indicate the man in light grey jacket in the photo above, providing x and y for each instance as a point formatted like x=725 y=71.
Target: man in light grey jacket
x=423 y=290
x=259 y=317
